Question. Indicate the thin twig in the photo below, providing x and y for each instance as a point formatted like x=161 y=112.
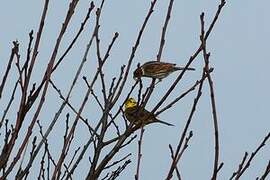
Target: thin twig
x=71 y=132
x=118 y=161
x=18 y=56
x=183 y=135
x=13 y=52
x=28 y=56
x=117 y=172
x=240 y=166
x=91 y=7
x=253 y=154
x=98 y=13
x=9 y=104
x=176 y=168
x=151 y=88
x=191 y=59
x=213 y=101
x=98 y=125
x=57 y=115
x=132 y=55
x=185 y=145
x=266 y=172
x=164 y=28
x=47 y=76
x=139 y=157
x=21 y=114
x=71 y=107
x=192 y=88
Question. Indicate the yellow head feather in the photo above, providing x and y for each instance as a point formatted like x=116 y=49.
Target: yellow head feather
x=130 y=103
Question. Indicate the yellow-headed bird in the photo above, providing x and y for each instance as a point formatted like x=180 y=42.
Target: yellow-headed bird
x=156 y=69
x=139 y=116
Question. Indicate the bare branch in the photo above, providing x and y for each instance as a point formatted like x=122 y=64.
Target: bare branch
x=183 y=94
x=213 y=101
x=266 y=172
x=118 y=161
x=253 y=154
x=91 y=7
x=139 y=154
x=183 y=135
x=162 y=40
x=134 y=48
x=13 y=52
x=191 y=59
x=9 y=104
x=176 y=168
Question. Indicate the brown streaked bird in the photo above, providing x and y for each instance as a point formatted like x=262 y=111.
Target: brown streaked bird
x=140 y=116
x=156 y=69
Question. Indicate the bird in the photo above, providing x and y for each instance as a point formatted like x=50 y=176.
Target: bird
x=140 y=116
x=156 y=69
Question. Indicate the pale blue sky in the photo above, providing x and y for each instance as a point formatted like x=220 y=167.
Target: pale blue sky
x=239 y=46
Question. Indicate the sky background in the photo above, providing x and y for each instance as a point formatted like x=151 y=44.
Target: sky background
x=239 y=46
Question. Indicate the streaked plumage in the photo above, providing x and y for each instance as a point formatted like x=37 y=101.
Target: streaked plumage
x=156 y=69
x=139 y=116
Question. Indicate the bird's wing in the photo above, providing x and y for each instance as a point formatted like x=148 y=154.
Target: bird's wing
x=142 y=116
x=129 y=114
x=154 y=67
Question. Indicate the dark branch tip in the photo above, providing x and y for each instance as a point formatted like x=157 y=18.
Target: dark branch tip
x=92 y=5
x=202 y=16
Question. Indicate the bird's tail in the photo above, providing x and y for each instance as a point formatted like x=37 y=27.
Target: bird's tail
x=163 y=122
x=181 y=68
